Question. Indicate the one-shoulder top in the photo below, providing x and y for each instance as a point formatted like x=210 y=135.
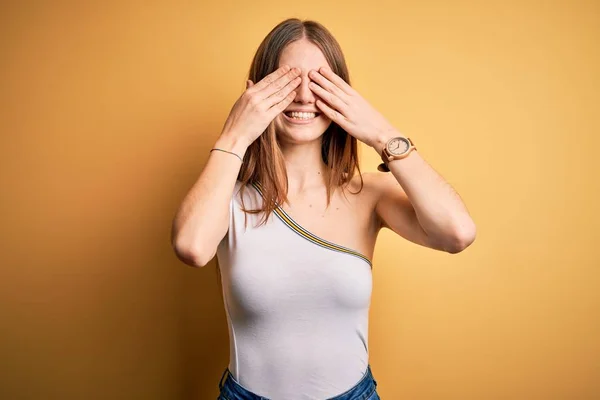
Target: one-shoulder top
x=297 y=305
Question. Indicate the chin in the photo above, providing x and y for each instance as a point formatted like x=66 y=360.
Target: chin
x=301 y=131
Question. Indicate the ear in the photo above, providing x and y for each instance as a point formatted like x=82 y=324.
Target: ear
x=249 y=84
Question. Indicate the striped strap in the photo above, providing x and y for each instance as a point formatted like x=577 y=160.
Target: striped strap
x=296 y=227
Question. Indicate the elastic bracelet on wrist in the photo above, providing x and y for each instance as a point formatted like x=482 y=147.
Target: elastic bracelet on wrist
x=230 y=152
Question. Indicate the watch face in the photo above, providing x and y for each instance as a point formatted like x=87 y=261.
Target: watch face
x=398 y=145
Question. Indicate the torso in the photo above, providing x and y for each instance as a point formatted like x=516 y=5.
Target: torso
x=350 y=220
x=298 y=307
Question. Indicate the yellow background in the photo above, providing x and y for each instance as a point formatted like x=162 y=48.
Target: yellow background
x=108 y=112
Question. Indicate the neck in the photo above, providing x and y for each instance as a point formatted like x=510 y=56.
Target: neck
x=304 y=165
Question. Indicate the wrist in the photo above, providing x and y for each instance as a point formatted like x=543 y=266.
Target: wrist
x=231 y=142
x=382 y=139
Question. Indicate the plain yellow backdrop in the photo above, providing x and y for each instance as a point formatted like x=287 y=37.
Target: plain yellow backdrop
x=109 y=110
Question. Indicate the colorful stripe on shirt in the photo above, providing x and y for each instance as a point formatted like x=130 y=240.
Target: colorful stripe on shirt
x=289 y=221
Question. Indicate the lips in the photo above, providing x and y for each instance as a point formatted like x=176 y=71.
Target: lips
x=302 y=114
x=300 y=118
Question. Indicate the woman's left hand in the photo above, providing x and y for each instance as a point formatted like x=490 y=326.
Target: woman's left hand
x=343 y=105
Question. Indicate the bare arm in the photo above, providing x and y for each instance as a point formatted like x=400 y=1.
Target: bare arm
x=418 y=204
x=202 y=219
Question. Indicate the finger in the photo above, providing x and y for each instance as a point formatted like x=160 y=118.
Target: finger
x=339 y=82
x=282 y=105
x=283 y=92
x=272 y=77
x=328 y=85
x=279 y=83
x=332 y=114
x=332 y=100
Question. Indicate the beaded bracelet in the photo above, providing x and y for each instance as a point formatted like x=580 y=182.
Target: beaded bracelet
x=229 y=153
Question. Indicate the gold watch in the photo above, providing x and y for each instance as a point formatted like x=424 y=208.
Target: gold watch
x=395 y=149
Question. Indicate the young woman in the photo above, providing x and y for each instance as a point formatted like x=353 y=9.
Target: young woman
x=293 y=222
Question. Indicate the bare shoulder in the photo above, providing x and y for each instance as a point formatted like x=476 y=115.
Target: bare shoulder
x=374 y=184
x=362 y=184
x=371 y=187
x=393 y=209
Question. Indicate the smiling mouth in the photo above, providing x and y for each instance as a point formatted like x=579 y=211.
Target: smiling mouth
x=302 y=116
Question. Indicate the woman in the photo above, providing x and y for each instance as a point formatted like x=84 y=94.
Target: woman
x=293 y=222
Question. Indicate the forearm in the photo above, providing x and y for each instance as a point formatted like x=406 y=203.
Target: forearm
x=439 y=209
x=203 y=216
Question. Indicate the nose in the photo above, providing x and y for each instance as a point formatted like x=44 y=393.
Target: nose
x=303 y=93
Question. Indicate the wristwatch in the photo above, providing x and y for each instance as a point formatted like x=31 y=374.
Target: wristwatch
x=395 y=149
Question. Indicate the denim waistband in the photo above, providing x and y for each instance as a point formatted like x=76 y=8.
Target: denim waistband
x=233 y=390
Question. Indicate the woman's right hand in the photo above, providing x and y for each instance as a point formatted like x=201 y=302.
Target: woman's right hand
x=261 y=103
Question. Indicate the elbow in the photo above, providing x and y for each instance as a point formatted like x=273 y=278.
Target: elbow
x=462 y=238
x=191 y=255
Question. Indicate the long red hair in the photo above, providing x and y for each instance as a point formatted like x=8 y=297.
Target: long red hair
x=263 y=160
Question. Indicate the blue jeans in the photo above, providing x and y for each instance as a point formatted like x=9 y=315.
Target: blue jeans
x=365 y=389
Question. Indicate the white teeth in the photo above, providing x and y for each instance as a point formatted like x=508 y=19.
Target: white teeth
x=302 y=115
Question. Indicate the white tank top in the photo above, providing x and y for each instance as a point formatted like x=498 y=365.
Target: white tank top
x=297 y=306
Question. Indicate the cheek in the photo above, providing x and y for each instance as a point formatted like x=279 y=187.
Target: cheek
x=279 y=120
